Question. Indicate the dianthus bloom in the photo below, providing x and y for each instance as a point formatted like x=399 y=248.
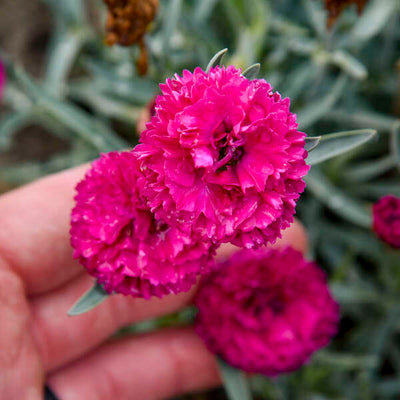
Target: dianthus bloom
x=117 y=239
x=228 y=157
x=266 y=311
x=386 y=215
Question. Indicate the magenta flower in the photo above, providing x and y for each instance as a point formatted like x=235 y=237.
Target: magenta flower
x=117 y=239
x=266 y=311
x=228 y=157
x=386 y=216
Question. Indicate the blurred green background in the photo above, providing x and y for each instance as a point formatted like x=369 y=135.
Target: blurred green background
x=69 y=97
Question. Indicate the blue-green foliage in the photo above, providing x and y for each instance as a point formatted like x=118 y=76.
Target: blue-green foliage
x=337 y=80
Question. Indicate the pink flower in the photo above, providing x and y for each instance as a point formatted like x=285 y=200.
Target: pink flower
x=386 y=215
x=266 y=311
x=117 y=239
x=228 y=157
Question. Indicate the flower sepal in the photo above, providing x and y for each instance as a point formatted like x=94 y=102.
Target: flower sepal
x=252 y=72
x=216 y=59
x=335 y=144
x=91 y=299
x=234 y=381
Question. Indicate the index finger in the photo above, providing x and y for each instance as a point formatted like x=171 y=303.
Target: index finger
x=34 y=238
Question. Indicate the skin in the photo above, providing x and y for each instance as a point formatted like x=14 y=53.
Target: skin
x=39 y=281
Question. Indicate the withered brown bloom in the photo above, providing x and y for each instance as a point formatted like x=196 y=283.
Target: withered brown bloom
x=335 y=8
x=127 y=24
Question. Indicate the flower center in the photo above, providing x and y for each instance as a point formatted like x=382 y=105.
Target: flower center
x=230 y=150
x=263 y=300
x=158 y=227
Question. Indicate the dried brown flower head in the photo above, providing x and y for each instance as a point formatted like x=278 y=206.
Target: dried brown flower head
x=127 y=24
x=335 y=8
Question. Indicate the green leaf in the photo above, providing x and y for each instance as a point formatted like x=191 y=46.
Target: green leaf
x=316 y=16
x=347 y=361
x=216 y=60
x=234 y=381
x=24 y=172
x=81 y=123
x=379 y=189
x=11 y=123
x=315 y=110
x=64 y=49
x=368 y=170
x=395 y=143
x=92 y=298
x=171 y=16
x=335 y=144
x=203 y=10
x=373 y=20
x=349 y=64
x=360 y=119
x=252 y=72
x=388 y=387
x=312 y=142
x=108 y=81
x=338 y=201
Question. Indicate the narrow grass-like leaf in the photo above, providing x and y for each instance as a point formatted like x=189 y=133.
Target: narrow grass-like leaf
x=92 y=298
x=373 y=20
x=315 y=14
x=252 y=72
x=368 y=170
x=203 y=10
x=345 y=360
x=12 y=122
x=216 y=60
x=316 y=109
x=235 y=382
x=171 y=17
x=335 y=144
x=360 y=119
x=388 y=387
x=104 y=104
x=312 y=142
x=379 y=189
x=351 y=295
x=79 y=122
x=395 y=143
x=25 y=172
x=349 y=64
x=339 y=202
x=64 y=49
x=107 y=80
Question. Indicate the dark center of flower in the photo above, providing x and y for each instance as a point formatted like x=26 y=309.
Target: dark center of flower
x=230 y=151
x=158 y=227
x=263 y=300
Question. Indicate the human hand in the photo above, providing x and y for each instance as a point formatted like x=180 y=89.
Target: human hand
x=39 y=281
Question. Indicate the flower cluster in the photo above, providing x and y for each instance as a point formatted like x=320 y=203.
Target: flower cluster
x=386 y=220
x=228 y=157
x=221 y=160
x=266 y=311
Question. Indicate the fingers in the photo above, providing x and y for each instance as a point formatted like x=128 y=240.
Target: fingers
x=61 y=338
x=34 y=235
x=21 y=374
x=152 y=367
